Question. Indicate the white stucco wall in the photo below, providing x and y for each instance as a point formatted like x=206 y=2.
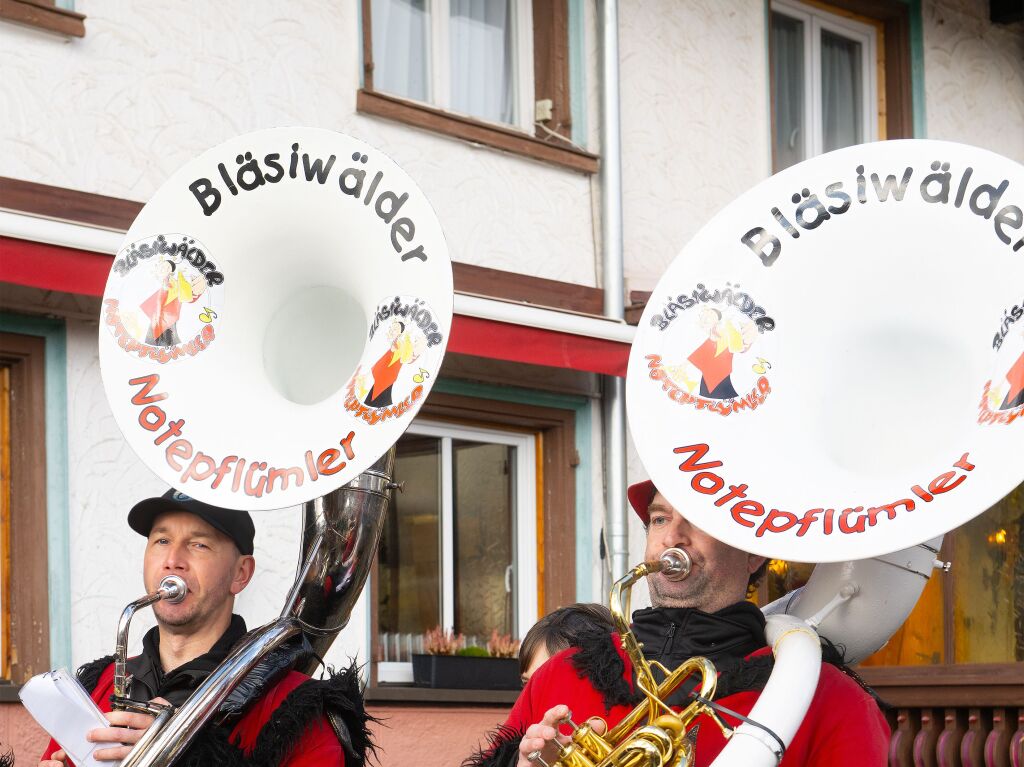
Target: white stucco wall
x=695 y=121
x=974 y=76
x=105 y=479
x=152 y=85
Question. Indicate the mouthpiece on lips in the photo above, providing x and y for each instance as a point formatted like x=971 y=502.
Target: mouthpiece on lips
x=675 y=564
x=172 y=588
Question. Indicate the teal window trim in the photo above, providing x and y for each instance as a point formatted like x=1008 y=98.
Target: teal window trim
x=58 y=557
x=917 y=67
x=577 y=73
x=581 y=408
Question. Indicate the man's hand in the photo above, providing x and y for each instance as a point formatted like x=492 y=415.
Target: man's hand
x=542 y=737
x=57 y=759
x=126 y=727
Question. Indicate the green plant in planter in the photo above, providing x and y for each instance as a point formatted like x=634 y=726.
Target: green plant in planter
x=473 y=652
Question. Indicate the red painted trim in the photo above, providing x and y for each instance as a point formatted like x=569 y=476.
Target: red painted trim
x=82 y=272
x=51 y=267
x=536 y=346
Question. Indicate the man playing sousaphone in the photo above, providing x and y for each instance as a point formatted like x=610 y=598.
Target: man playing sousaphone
x=211 y=549
x=703 y=614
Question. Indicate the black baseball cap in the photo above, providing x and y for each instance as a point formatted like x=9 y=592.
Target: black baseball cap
x=235 y=524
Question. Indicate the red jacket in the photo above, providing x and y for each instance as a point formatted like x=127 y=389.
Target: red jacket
x=842 y=728
x=319 y=746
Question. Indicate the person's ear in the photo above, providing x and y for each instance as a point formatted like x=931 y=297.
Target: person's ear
x=245 y=567
x=754 y=562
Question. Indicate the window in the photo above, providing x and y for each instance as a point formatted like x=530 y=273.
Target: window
x=460 y=546
x=824 y=82
x=467 y=56
x=24 y=633
x=494 y=72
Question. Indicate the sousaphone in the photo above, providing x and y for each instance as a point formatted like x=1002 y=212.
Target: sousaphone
x=273 y=323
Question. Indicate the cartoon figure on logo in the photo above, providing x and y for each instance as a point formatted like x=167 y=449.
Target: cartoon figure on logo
x=407 y=344
x=163 y=308
x=713 y=358
x=1015 y=378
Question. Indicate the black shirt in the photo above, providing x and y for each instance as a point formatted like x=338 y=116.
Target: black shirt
x=147 y=679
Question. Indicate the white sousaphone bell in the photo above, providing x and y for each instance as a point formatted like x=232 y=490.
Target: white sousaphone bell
x=832 y=371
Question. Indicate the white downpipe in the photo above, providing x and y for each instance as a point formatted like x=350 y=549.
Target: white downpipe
x=785 y=699
x=614 y=293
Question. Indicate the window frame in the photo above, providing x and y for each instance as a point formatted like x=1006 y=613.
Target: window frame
x=29 y=609
x=549 y=80
x=556 y=461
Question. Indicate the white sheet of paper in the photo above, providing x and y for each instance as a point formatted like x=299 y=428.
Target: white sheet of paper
x=62 y=707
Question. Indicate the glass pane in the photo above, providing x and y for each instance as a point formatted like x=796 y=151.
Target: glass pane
x=988 y=585
x=842 y=92
x=788 y=90
x=401 y=48
x=482 y=59
x=409 y=569
x=483 y=476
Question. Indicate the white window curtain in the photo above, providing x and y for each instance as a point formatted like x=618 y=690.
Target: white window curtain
x=482 y=59
x=788 y=82
x=841 y=92
x=401 y=48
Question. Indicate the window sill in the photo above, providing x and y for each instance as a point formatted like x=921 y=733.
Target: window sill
x=475 y=131
x=388 y=693
x=43 y=15
x=9 y=692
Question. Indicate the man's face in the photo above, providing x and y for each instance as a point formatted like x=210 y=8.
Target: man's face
x=718 y=577
x=213 y=569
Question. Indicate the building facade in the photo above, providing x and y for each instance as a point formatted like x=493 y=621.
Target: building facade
x=495 y=110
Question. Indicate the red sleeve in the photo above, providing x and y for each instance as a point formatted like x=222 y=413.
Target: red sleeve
x=319 y=746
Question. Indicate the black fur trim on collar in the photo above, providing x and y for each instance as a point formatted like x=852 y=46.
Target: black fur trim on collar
x=7 y=760
x=338 y=694
x=89 y=673
x=599 y=662
x=836 y=655
x=503 y=750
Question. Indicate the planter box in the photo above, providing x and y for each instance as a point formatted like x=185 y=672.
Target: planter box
x=457 y=672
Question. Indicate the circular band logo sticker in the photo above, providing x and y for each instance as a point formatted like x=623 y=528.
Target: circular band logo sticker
x=1002 y=401
x=403 y=352
x=164 y=298
x=711 y=348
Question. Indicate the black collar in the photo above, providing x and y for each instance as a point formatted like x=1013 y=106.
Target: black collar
x=149 y=680
x=671 y=635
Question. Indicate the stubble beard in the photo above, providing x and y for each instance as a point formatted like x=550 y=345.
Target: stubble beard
x=692 y=591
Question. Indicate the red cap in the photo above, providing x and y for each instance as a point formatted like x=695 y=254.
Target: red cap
x=640 y=496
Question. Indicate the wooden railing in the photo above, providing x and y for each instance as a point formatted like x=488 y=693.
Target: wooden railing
x=953 y=716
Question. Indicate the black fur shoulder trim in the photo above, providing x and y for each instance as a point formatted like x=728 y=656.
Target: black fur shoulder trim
x=338 y=694
x=743 y=674
x=7 y=760
x=503 y=750
x=598 y=661
x=89 y=673
x=835 y=655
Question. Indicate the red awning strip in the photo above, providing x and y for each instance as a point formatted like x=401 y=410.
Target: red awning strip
x=51 y=267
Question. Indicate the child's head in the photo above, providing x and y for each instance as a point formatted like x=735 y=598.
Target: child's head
x=559 y=630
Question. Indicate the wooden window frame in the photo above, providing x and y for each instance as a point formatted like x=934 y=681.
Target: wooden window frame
x=895 y=94
x=45 y=15
x=29 y=604
x=551 y=81
x=556 y=517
